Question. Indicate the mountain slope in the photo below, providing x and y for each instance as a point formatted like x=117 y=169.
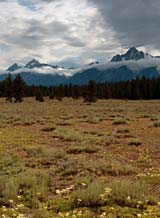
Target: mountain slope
x=123 y=67
x=43 y=79
x=131 y=54
x=14 y=67
x=110 y=75
x=36 y=64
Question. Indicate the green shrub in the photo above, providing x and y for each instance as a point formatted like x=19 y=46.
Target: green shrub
x=123 y=130
x=112 y=167
x=10 y=166
x=89 y=196
x=8 y=189
x=34 y=151
x=118 y=169
x=55 y=153
x=119 y=121
x=157 y=123
x=48 y=129
x=134 y=142
x=32 y=187
x=152 y=179
x=94 y=120
x=42 y=213
x=64 y=205
x=39 y=151
x=74 y=135
x=73 y=149
x=68 y=134
x=126 y=193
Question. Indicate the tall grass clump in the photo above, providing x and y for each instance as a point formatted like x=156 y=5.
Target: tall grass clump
x=126 y=193
x=89 y=196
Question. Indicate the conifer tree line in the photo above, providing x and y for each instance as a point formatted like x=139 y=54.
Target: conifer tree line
x=14 y=90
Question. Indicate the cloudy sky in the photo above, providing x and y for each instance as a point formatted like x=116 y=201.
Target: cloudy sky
x=73 y=32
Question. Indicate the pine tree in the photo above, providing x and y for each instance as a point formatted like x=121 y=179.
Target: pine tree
x=18 y=88
x=76 y=93
x=135 y=93
x=8 y=88
x=91 y=92
x=51 y=92
x=39 y=95
x=60 y=93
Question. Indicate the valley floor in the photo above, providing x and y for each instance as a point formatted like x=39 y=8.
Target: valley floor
x=71 y=159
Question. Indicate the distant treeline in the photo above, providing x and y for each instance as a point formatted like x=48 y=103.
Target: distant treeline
x=139 y=88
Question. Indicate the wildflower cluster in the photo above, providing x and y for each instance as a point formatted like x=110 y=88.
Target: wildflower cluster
x=152 y=176
x=73 y=214
x=103 y=215
x=152 y=172
x=14 y=210
x=65 y=190
x=77 y=213
x=151 y=211
x=107 y=193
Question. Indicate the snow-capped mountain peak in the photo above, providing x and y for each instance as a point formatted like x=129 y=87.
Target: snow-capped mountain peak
x=132 y=54
x=124 y=67
x=33 y=63
x=14 y=67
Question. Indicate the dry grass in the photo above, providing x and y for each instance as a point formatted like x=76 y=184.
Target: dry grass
x=56 y=144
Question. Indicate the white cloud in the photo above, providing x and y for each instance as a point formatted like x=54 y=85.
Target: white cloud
x=53 y=31
x=46 y=70
x=73 y=32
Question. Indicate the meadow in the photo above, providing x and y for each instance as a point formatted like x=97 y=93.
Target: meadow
x=80 y=160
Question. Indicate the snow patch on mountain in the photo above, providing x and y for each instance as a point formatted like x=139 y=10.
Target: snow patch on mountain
x=133 y=59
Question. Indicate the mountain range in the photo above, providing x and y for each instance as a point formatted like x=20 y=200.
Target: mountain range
x=127 y=66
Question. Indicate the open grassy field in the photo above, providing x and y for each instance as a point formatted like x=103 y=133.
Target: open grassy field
x=70 y=159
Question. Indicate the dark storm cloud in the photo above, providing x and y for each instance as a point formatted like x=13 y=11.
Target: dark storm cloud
x=134 y=22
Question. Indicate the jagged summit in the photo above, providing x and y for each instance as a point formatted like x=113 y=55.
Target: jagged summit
x=132 y=54
x=33 y=63
x=36 y=64
x=14 y=67
x=134 y=63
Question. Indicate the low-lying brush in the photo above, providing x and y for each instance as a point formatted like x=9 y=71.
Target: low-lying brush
x=78 y=161
x=112 y=167
x=157 y=123
x=119 y=121
x=89 y=196
x=122 y=193
x=123 y=130
x=134 y=142
x=29 y=185
x=131 y=194
x=49 y=153
x=48 y=129
x=77 y=149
